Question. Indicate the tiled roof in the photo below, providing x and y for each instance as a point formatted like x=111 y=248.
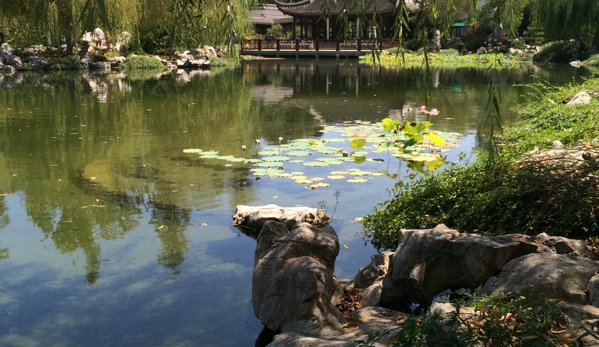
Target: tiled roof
x=316 y=7
x=269 y=15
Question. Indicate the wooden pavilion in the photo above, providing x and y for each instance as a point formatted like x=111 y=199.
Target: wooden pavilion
x=317 y=19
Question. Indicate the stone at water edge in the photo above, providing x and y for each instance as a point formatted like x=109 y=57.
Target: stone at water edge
x=250 y=219
x=293 y=286
x=429 y=261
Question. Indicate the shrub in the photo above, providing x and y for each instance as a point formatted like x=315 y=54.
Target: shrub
x=592 y=61
x=475 y=37
x=275 y=32
x=561 y=52
x=65 y=64
x=518 y=44
x=508 y=196
x=142 y=62
x=218 y=62
x=413 y=45
x=498 y=320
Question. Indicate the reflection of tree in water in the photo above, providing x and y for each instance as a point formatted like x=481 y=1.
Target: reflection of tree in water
x=3 y=222
x=171 y=222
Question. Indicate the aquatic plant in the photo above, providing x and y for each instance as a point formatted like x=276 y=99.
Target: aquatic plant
x=289 y=160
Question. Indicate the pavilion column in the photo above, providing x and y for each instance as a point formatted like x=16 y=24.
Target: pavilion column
x=328 y=30
x=358 y=26
x=294 y=24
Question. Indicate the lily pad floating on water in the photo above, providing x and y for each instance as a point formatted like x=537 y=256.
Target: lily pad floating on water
x=357 y=180
x=297 y=153
x=192 y=150
x=314 y=164
x=317 y=185
x=336 y=177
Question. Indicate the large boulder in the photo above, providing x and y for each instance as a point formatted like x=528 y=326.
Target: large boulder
x=363 y=322
x=558 y=276
x=373 y=272
x=293 y=284
x=250 y=219
x=430 y=261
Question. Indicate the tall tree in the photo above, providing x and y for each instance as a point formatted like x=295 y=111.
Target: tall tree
x=567 y=19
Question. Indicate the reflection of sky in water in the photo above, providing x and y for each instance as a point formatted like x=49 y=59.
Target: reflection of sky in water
x=199 y=294
x=45 y=297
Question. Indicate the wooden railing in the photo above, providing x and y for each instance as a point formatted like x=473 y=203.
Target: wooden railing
x=318 y=45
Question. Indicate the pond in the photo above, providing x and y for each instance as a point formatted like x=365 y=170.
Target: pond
x=117 y=192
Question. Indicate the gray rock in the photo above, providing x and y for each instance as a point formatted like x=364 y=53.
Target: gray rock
x=38 y=62
x=371 y=296
x=562 y=245
x=373 y=272
x=430 y=261
x=582 y=98
x=5 y=50
x=293 y=283
x=561 y=277
x=250 y=219
x=100 y=66
x=594 y=291
x=363 y=322
x=14 y=61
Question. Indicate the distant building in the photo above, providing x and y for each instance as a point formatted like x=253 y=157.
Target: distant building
x=266 y=15
x=308 y=16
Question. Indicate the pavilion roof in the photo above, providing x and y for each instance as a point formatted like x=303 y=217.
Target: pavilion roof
x=353 y=7
x=269 y=15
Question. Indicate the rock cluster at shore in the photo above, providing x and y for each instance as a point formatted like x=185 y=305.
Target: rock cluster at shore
x=33 y=58
x=294 y=291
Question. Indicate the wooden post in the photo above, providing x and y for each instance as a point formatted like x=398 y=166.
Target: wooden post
x=316 y=45
x=297 y=42
x=337 y=45
x=359 y=44
x=278 y=45
x=259 y=45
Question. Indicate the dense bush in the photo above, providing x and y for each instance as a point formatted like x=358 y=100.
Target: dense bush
x=413 y=45
x=142 y=62
x=275 y=32
x=508 y=195
x=561 y=52
x=65 y=64
x=475 y=37
x=592 y=61
x=499 y=320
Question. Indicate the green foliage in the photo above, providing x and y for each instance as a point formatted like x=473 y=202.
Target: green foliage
x=24 y=35
x=561 y=52
x=142 y=62
x=275 y=32
x=218 y=62
x=457 y=45
x=476 y=36
x=413 y=45
x=498 y=320
x=65 y=64
x=517 y=44
x=592 y=61
x=508 y=195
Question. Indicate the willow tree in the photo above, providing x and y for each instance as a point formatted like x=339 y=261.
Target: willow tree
x=568 y=19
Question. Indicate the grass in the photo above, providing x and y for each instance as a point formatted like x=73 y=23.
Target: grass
x=142 y=62
x=507 y=195
x=445 y=58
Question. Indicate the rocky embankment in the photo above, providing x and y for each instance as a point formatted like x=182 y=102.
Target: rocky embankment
x=295 y=292
x=36 y=58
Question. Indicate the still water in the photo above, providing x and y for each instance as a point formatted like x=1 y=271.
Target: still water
x=112 y=235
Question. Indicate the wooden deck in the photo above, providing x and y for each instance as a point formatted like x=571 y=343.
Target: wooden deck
x=314 y=48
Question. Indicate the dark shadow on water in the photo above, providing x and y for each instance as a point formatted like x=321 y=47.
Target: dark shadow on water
x=266 y=336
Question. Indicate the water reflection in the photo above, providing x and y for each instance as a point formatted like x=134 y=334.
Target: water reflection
x=132 y=230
